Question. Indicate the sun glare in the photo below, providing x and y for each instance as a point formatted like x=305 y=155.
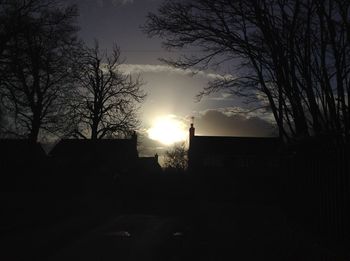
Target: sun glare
x=168 y=130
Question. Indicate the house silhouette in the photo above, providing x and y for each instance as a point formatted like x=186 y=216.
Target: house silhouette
x=22 y=174
x=148 y=165
x=20 y=155
x=96 y=157
x=233 y=155
x=240 y=168
x=104 y=157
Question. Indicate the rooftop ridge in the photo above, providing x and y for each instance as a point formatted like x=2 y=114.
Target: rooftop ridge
x=235 y=137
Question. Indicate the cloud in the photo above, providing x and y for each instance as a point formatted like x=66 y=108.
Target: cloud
x=122 y=2
x=222 y=96
x=148 y=147
x=114 y=2
x=261 y=113
x=225 y=123
x=150 y=68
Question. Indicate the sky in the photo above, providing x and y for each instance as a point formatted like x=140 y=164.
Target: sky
x=171 y=92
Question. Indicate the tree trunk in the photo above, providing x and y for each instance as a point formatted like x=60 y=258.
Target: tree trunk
x=34 y=132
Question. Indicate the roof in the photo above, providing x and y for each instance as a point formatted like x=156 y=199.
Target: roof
x=103 y=149
x=148 y=164
x=21 y=156
x=221 y=145
x=20 y=149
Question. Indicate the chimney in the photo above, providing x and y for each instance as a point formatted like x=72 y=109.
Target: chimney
x=192 y=129
x=191 y=132
x=134 y=137
x=134 y=142
x=190 y=145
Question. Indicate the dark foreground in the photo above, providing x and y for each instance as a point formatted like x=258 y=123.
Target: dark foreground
x=167 y=219
x=204 y=230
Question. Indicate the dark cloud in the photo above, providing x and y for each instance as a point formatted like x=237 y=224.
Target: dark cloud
x=148 y=147
x=217 y=123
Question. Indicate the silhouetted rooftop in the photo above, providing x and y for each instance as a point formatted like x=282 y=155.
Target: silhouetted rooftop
x=20 y=149
x=116 y=149
x=148 y=164
x=229 y=145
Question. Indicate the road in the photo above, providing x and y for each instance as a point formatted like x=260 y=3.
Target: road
x=130 y=237
x=248 y=233
x=209 y=231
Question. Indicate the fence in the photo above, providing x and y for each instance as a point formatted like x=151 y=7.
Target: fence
x=317 y=186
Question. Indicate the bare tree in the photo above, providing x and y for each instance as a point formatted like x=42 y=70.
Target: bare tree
x=106 y=99
x=176 y=158
x=295 y=55
x=36 y=65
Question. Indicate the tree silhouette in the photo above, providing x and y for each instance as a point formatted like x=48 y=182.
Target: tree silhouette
x=105 y=103
x=36 y=65
x=176 y=158
x=291 y=57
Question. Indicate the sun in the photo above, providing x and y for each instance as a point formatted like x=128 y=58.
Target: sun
x=168 y=130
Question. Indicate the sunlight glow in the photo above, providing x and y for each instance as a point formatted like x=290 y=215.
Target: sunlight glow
x=168 y=130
